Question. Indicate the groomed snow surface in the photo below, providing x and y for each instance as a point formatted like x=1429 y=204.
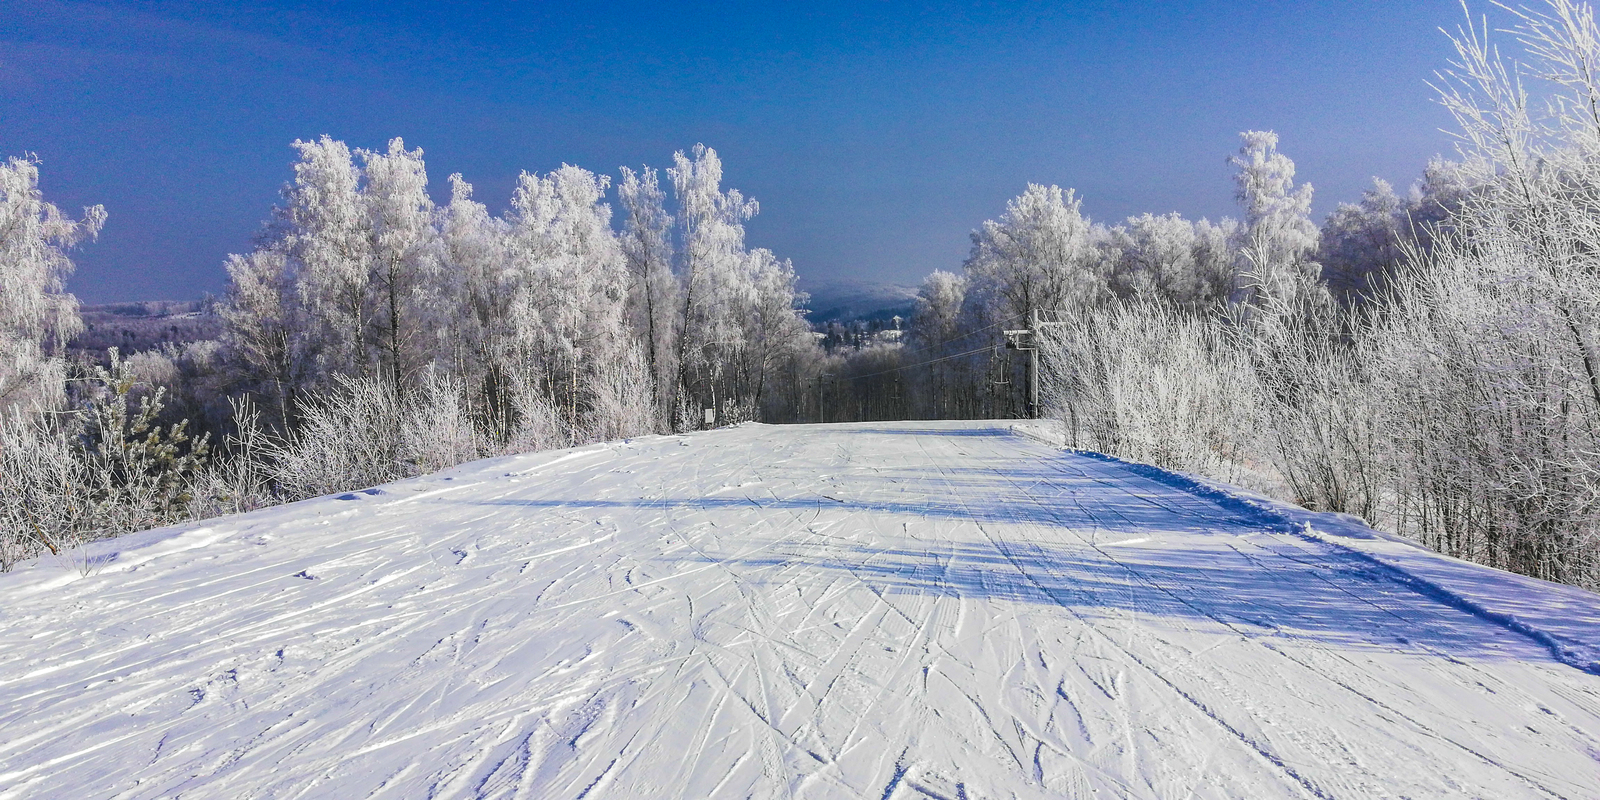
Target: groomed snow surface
x=891 y=610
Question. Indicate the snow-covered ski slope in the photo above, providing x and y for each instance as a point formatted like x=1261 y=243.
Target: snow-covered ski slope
x=893 y=610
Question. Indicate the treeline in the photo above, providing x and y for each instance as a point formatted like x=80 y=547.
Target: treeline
x=372 y=335
x=1044 y=260
x=1429 y=362
x=551 y=327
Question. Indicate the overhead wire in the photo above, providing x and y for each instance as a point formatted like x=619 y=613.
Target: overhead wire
x=920 y=363
x=960 y=336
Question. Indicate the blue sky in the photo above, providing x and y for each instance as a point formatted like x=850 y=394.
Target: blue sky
x=875 y=135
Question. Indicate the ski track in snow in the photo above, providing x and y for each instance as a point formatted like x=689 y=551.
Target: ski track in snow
x=886 y=610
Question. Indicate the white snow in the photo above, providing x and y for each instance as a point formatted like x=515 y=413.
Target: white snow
x=886 y=610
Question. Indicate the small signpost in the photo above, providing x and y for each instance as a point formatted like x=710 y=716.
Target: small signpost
x=711 y=417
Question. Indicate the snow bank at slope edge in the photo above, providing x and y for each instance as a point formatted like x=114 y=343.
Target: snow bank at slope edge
x=1565 y=620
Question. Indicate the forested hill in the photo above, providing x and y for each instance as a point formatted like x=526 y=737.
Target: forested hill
x=852 y=301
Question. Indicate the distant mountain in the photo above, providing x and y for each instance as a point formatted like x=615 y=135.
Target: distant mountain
x=850 y=300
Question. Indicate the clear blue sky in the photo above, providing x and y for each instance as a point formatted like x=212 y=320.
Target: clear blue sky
x=875 y=135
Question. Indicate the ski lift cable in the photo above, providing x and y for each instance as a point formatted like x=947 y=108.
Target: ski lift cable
x=921 y=363
x=961 y=336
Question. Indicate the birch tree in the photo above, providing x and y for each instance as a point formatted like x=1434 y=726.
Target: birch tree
x=935 y=335
x=710 y=277
x=37 y=315
x=326 y=238
x=1039 y=255
x=480 y=287
x=652 y=294
x=404 y=295
x=262 y=328
x=1171 y=259
x=774 y=330
x=570 y=278
x=1278 y=236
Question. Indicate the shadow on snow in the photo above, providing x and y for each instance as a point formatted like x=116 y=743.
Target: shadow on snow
x=1269 y=589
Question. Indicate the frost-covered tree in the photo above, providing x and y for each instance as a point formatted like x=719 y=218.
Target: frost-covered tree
x=261 y=327
x=1437 y=198
x=652 y=293
x=1362 y=243
x=325 y=234
x=348 y=281
x=570 y=279
x=714 y=286
x=1491 y=349
x=934 y=335
x=540 y=327
x=1171 y=259
x=37 y=315
x=404 y=298
x=371 y=335
x=1278 y=237
x=736 y=338
x=1040 y=255
x=935 y=318
x=773 y=329
x=477 y=281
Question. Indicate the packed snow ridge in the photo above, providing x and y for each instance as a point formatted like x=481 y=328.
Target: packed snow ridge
x=889 y=610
